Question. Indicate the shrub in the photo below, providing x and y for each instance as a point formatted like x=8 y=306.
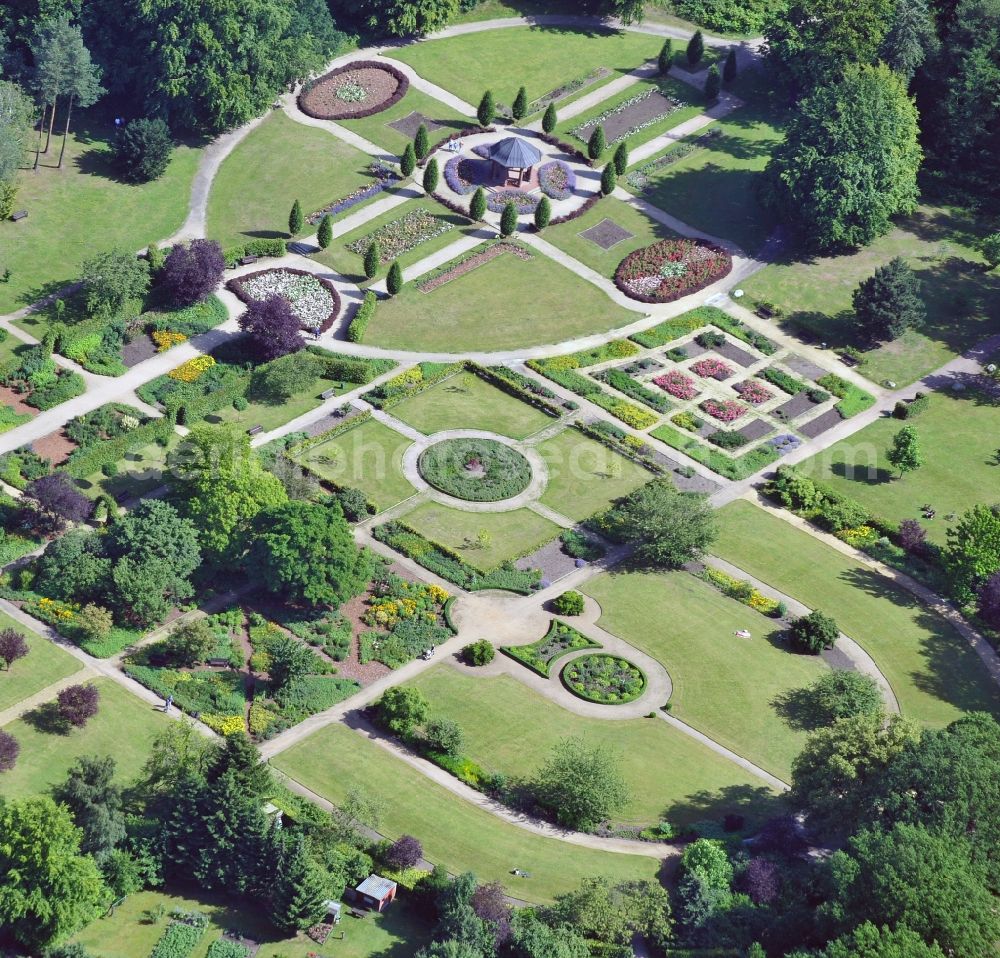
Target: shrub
x=543 y=213
x=141 y=149
x=444 y=735
x=508 y=219
x=579 y=546
x=13 y=646
x=478 y=653
x=394 y=278
x=814 y=632
x=569 y=603
x=9 y=750
x=282 y=378
x=77 y=704
x=597 y=144
x=359 y=325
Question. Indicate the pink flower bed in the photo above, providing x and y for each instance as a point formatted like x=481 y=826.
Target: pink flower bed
x=711 y=369
x=677 y=384
x=753 y=392
x=725 y=410
x=670 y=269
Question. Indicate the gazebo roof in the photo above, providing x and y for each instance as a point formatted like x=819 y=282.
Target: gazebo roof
x=515 y=153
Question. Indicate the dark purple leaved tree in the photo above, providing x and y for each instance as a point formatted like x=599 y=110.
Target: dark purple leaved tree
x=190 y=273
x=273 y=328
x=912 y=536
x=78 y=704
x=9 y=750
x=13 y=646
x=405 y=852
x=489 y=902
x=989 y=601
x=58 y=494
x=761 y=881
x=37 y=522
x=781 y=834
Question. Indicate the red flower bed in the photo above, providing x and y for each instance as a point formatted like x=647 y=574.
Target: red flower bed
x=711 y=368
x=670 y=269
x=677 y=384
x=725 y=410
x=753 y=392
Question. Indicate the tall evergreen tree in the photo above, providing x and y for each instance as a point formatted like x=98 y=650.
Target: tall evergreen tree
x=487 y=109
x=621 y=158
x=95 y=802
x=394 y=278
x=543 y=213
x=408 y=161
x=421 y=142
x=373 y=259
x=665 y=60
x=550 y=118
x=729 y=68
x=911 y=38
x=477 y=206
x=609 y=179
x=297 y=898
x=713 y=83
x=519 y=108
x=889 y=302
x=324 y=235
x=695 y=48
x=295 y=219
x=596 y=145
x=432 y=176
x=508 y=219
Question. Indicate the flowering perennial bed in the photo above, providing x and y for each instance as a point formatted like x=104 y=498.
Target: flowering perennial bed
x=753 y=392
x=192 y=370
x=384 y=178
x=557 y=180
x=742 y=591
x=711 y=368
x=725 y=410
x=604 y=678
x=630 y=116
x=670 y=269
x=677 y=384
x=468 y=264
x=639 y=179
x=401 y=235
x=359 y=89
x=463 y=174
x=523 y=202
x=314 y=301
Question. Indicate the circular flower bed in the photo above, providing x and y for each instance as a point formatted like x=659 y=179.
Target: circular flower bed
x=314 y=300
x=670 y=269
x=557 y=180
x=358 y=89
x=463 y=174
x=523 y=202
x=478 y=470
x=604 y=678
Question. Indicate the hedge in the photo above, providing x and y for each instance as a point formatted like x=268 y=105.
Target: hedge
x=634 y=389
x=784 y=381
x=520 y=387
x=344 y=426
x=86 y=460
x=350 y=369
x=625 y=445
x=256 y=247
x=410 y=382
x=192 y=320
x=359 y=324
x=734 y=468
x=852 y=399
x=685 y=323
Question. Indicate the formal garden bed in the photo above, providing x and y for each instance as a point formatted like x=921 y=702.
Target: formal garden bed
x=605 y=679
x=560 y=640
x=478 y=470
x=670 y=269
x=383 y=177
x=313 y=299
x=355 y=90
x=631 y=116
x=401 y=235
x=470 y=263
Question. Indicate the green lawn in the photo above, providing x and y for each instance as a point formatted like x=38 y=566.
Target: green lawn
x=932 y=670
x=724 y=686
x=510 y=728
x=959 y=439
x=81 y=210
x=139 y=472
x=44 y=664
x=585 y=476
x=350 y=265
x=377 y=129
x=454 y=833
x=541 y=58
x=645 y=231
x=270 y=415
x=503 y=304
x=368 y=457
x=963 y=302
x=127 y=933
x=714 y=189
x=669 y=86
x=465 y=401
x=279 y=162
x=512 y=534
x=124 y=727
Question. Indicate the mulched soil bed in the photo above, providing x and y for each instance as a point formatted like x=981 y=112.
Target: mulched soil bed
x=468 y=265
x=55 y=447
x=805 y=367
x=820 y=424
x=408 y=125
x=756 y=429
x=138 y=350
x=799 y=403
x=385 y=85
x=550 y=560
x=651 y=108
x=16 y=401
x=606 y=234
x=739 y=356
x=328 y=422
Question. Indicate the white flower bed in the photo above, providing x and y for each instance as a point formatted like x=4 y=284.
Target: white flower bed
x=310 y=300
x=582 y=132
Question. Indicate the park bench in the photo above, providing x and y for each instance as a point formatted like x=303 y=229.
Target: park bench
x=255 y=430
x=247 y=260
x=217 y=662
x=328 y=393
x=19 y=215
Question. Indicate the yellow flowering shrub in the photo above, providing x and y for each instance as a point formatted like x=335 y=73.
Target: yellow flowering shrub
x=166 y=339
x=192 y=370
x=858 y=536
x=225 y=724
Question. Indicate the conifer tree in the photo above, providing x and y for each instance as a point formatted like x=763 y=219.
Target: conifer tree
x=543 y=213
x=596 y=145
x=609 y=180
x=487 y=109
x=729 y=68
x=621 y=159
x=520 y=106
x=324 y=234
x=432 y=176
x=297 y=898
x=695 y=48
x=666 y=58
x=421 y=144
x=477 y=207
x=550 y=118
x=295 y=219
x=508 y=220
x=713 y=83
x=394 y=278
x=373 y=259
x=408 y=161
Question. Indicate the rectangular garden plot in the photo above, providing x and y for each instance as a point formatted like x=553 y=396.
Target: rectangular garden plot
x=820 y=424
x=732 y=352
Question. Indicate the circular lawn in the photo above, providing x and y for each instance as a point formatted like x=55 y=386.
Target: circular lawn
x=478 y=470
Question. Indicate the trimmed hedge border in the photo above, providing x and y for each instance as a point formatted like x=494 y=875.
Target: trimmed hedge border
x=565 y=147
x=581 y=693
x=359 y=324
x=494 y=375
x=398 y=94
x=588 y=205
x=628 y=452
x=449 y=604
x=235 y=286
x=257 y=247
x=523 y=654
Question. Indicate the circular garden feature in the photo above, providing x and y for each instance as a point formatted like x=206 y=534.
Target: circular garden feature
x=359 y=89
x=478 y=470
x=670 y=269
x=605 y=679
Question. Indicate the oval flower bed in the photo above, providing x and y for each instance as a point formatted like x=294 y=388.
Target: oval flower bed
x=711 y=369
x=523 y=202
x=477 y=470
x=359 y=89
x=604 y=678
x=314 y=300
x=670 y=269
x=463 y=174
x=557 y=180
x=725 y=410
x=677 y=384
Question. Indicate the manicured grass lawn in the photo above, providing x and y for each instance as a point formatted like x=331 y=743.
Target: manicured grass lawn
x=368 y=457
x=377 y=129
x=465 y=401
x=963 y=302
x=139 y=472
x=714 y=188
x=279 y=162
x=959 y=439
x=934 y=673
x=351 y=265
x=584 y=476
x=271 y=415
x=126 y=934
x=541 y=58
x=44 y=664
x=669 y=86
x=724 y=686
x=82 y=209
x=512 y=534
x=645 y=232
x=124 y=727
x=454 y=832
x=502 y=304
x=512 y=729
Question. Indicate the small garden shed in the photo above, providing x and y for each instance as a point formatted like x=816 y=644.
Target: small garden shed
x=375 y=892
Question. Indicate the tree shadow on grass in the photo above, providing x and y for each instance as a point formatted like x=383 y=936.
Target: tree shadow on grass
x=755 y=802
x=870 y=475
x=798 y=709
x=46 y=719
x=266 y=234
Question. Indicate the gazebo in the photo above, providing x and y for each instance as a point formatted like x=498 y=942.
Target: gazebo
x=516 y=156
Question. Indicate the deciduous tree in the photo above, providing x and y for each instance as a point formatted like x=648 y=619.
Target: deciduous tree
x=272 y=328
x=111 y=279
x=78 y=704
x=9 y=750
x=142 y=149
x=904 y=453
x=191 y=273
x=58 y=494
x=579 y=785
x=13 y=646
x=402 y=709
x=972 y=553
